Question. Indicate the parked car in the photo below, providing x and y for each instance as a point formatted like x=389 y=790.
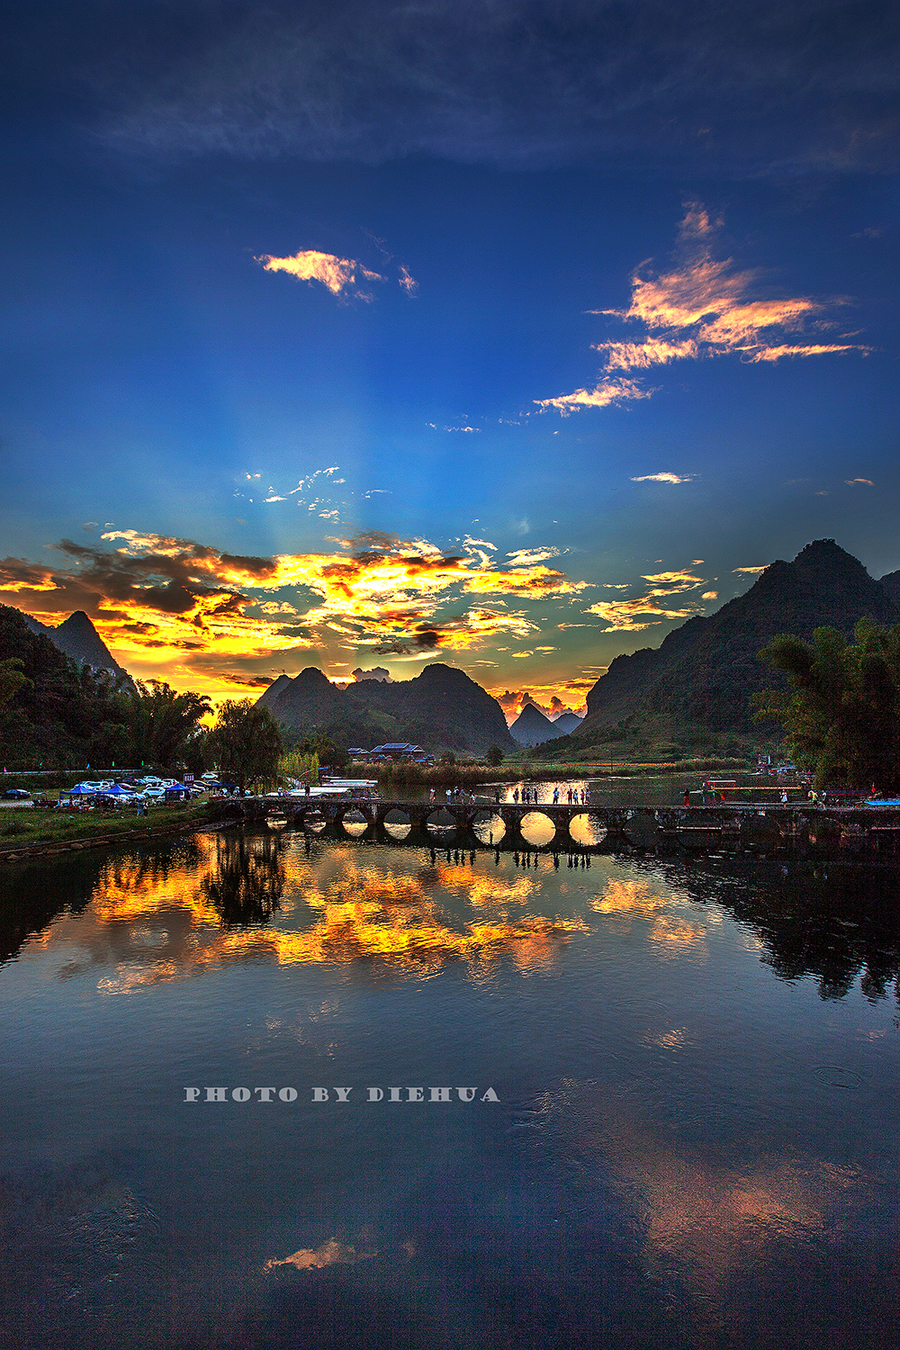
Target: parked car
x=16 y=795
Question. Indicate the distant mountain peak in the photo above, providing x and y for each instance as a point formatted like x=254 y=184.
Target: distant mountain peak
x=313 y=676
x=440 y=708
x=531 y=727
x=705 y=671
x=77 y=638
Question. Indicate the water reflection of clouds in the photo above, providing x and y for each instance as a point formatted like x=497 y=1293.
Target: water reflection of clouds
x=331 y=1253
x=677 y=937
x=674 y=1039
x=694 y=1208
x=335 y=1253
x=623 y=902
x=249 y=900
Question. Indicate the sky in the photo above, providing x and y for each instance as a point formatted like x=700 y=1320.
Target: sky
x=510 y=335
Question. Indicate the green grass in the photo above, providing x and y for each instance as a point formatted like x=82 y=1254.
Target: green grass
x=25 y=826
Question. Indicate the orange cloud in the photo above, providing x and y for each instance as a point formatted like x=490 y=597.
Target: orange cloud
x=702 y=307
x=641 y=355
x=643 y=611
x=550 y=699
x=605 y=395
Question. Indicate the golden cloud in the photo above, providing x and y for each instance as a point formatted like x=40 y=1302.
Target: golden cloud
x=606 y=395
x=643 y=611
x=338 y=274
x=641 y=355
x=550 y=699
x=167 y=596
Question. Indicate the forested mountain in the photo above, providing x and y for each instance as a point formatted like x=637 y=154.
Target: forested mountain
x=440 y=709
x=891 y=584
x=704 y=673
x=53 y=711
x=77 y=637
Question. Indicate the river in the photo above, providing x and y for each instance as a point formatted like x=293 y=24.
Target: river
x=682 y=1132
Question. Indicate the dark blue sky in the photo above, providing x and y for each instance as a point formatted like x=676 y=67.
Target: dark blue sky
x=570 y=310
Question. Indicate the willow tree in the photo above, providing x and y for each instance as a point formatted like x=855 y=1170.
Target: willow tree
x=841 y=708
x=246 y=742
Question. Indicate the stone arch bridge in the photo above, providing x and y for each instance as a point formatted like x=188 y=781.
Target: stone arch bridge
x=727 y=828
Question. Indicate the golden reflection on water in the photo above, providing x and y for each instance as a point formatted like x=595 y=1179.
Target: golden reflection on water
x=134 y=887
x=677 y=937
x=624 y=902
x=331 y=1253
x=238 y=898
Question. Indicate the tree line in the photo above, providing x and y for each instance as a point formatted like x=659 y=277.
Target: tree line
x=840 y=709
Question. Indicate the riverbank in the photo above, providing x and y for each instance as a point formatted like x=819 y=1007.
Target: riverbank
x=447 y=775
x=24 y=831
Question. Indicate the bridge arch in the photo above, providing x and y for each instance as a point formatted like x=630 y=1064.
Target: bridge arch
x=396 y=822
x=587 y=828
x=441 y=822
x=354 y=821
x=489 y=826
x=538 y=827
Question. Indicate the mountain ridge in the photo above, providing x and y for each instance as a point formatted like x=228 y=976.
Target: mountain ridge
x=705 y=672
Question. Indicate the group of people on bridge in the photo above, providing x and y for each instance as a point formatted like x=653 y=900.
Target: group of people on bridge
x=529 y=796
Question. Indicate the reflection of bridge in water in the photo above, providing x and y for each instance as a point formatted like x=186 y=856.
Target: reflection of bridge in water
x=727 y=828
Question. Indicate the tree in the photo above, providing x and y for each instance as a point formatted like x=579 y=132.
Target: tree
x=12 y=677
x=494 y=756
x=300 y=765
x=841 y=710
x=161 y=722
x=54 y=710
x=246 y=742
x=326 y=752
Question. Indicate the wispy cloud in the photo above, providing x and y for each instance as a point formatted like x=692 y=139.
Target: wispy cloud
x=655 y=84
x=409 y=284
x=665 y=478
x=750 y=571
x=314 y=493
x=851 y=482
x=606 y=395
x=703 y=307
x=342 y=276
x=526 y=557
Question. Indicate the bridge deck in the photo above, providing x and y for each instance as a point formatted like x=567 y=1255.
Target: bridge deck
x=727 y=825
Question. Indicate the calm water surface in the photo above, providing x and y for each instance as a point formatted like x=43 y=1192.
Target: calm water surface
x=695 y=1142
